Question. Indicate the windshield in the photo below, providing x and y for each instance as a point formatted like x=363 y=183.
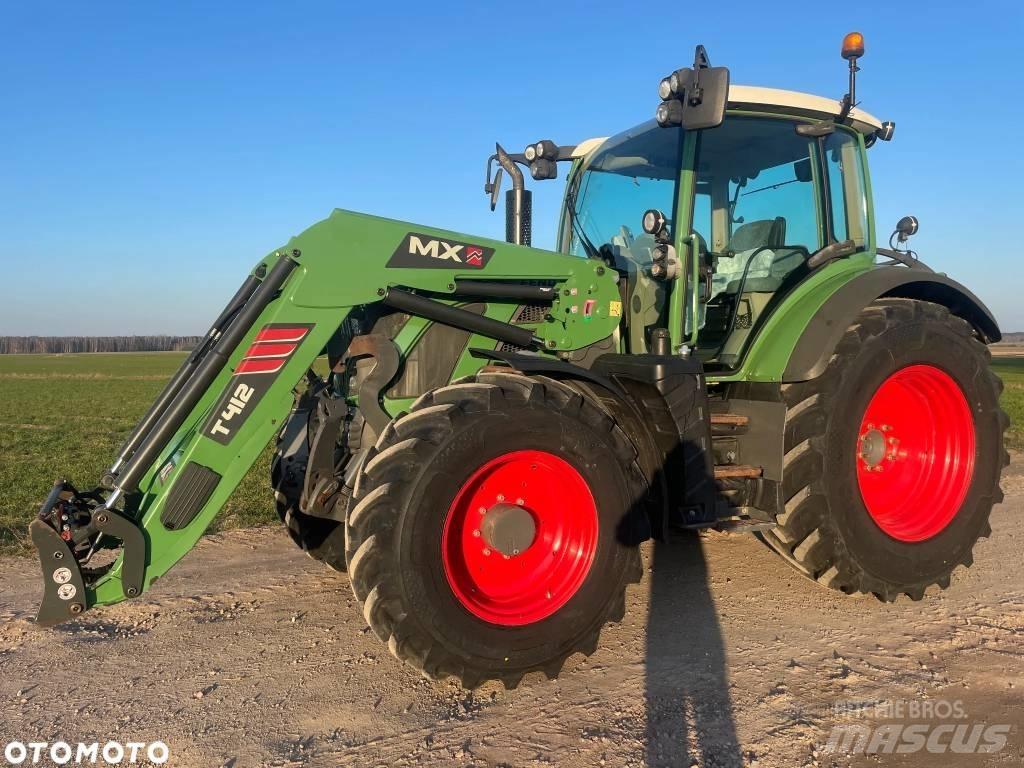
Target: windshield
x=630 y=173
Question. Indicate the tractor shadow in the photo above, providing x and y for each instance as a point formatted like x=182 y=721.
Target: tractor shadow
x=689 y=718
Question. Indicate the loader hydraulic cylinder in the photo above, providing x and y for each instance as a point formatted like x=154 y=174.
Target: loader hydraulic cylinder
x=459 y=318
x=156 y=410
x=203 y=375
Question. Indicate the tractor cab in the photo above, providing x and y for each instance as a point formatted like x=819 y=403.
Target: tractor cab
x=751 y=199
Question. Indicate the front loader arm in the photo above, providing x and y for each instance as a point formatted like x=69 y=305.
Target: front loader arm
x=208 y=427
x=171 y=498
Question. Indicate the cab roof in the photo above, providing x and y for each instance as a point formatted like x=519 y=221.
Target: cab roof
x=755 y=98
x=794 y=102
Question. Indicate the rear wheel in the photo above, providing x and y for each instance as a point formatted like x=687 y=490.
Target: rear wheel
x=485 y=540
x=893 y=455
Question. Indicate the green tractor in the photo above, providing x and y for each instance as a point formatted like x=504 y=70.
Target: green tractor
x=719 y=341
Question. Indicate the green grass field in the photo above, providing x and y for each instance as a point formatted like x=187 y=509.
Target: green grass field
x=1011 y=371
x=66 y=416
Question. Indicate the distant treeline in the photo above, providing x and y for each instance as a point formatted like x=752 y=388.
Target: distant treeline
x=14 y=345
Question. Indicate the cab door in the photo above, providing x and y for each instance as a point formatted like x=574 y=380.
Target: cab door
x=764 y=199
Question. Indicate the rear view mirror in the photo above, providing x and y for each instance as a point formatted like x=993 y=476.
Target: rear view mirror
x=694 y=97
x=495 y=189
x=802 y=170
x=709 y=111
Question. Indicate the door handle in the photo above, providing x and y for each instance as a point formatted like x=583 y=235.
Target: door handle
x=692 y=243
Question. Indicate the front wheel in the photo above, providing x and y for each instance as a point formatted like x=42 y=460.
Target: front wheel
x=893 y=455
x=486 y=536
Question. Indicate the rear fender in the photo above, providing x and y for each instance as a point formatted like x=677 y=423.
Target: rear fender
x=799 y=337
x=818 y=341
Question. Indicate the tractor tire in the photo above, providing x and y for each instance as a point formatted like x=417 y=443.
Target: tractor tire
x=440 y=576
x=893 y=455
x=321 y=538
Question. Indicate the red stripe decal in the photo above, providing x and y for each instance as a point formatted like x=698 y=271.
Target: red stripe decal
x=281 y=334
x=270 y=365
x=270 y=350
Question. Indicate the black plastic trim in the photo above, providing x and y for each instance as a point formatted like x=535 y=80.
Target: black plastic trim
x=189 y=495
x=497 y=290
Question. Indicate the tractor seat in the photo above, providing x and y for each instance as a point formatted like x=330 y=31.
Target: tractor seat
x=758 y=240
x=758 y=234
x=768 y=277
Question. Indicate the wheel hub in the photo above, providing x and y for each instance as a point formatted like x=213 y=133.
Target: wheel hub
x=872 y=447
x=508 y=528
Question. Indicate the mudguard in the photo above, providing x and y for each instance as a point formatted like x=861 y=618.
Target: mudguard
x=814 y=348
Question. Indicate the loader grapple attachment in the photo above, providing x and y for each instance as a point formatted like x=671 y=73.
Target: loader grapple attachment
x=63 y=586
x=68 y=531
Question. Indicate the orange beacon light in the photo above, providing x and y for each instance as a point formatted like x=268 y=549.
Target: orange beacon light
x=853 y=45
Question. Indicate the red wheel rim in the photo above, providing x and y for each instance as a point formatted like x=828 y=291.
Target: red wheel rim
x=915 y=453
x=529 y=584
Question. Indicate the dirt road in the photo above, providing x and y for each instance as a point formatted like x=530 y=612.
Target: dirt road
x=250 y=654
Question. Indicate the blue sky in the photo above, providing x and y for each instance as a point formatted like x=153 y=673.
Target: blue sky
x=151 y=152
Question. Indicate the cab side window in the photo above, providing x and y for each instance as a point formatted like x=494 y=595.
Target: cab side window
x=765 y=213
x=846 y=188
x=761 y=181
